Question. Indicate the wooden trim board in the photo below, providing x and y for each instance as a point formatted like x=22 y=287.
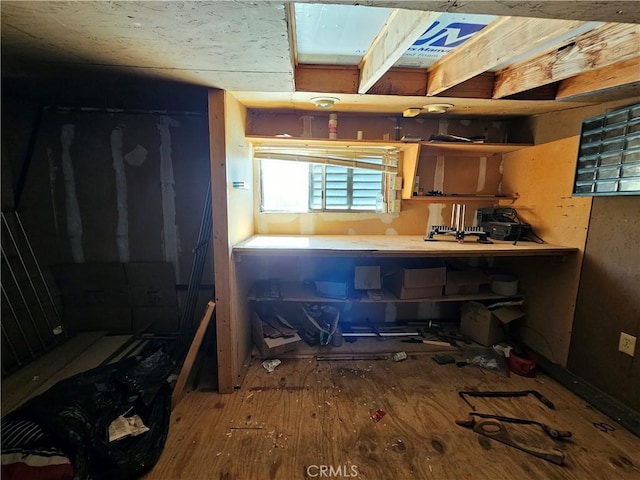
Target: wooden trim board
x=181 y=383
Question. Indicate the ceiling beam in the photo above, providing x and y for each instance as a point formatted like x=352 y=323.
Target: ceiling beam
x=504 y=39
x=480 y=86
x=586 y=10
x=290 y=16
x=401 y=81
x=399 y=32
x=611 y=81
x=603 y=46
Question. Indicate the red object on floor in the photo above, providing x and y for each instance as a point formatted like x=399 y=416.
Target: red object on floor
x=525 y=367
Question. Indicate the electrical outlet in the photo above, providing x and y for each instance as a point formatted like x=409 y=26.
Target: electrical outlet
x=627 y=344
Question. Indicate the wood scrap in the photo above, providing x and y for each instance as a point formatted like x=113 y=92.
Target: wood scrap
x=178 y=391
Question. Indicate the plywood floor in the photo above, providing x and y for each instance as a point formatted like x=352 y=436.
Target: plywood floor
x=282 y=425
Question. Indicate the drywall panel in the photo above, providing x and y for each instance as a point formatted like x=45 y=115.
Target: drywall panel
x=542 y=177
x=553 y=126
x=608 y=301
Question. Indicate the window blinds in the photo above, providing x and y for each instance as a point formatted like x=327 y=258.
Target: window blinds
x=380 y=159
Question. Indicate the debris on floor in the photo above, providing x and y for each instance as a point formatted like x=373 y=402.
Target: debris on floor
x=270 y=365
x=377 y=415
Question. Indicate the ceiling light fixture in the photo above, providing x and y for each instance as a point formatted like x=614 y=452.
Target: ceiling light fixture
x=411 y=112
x=324 y=102
x=439 y=108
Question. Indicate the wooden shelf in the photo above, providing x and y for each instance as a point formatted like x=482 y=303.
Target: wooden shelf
x=325 y=142
x=444 y=147
x=296 y=292
x=458 y=198
x=468 y=148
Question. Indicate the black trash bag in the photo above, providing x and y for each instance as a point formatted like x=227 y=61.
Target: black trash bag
x=78 y=411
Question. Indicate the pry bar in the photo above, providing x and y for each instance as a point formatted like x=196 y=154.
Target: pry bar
x=521 y=393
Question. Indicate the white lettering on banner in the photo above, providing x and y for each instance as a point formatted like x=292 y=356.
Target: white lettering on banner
x=330 y=471
x=444 y=35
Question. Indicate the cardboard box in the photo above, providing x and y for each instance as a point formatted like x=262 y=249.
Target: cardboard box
x=331 y=289
x=165 y=319
x=76 y=278
x=484 y=326
x=86 y=319
x=418 y=280
x=462 y=282
x=151 y=284
x=92 y=284
x=270 y=347
x=367 y=278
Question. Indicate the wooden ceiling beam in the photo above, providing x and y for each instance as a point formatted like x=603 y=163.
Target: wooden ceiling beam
x=399 y=32
x=611 y=81
x=504 y=39
x=401 y=81
x=480 y=86
x=601 y=47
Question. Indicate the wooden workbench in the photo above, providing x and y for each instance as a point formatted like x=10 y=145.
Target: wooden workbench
x=389 y=246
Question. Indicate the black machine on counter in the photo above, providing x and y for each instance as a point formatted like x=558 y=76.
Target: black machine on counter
x=458 y=228
x=502 y=223
x=498 y=223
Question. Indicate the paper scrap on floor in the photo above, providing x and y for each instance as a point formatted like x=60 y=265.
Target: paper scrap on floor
x=123 y=427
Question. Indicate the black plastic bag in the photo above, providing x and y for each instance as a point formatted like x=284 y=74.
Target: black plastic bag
x=78 y=411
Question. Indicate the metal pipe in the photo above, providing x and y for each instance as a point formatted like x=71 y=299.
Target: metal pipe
x=10 y=343
x=200 y=254
x=13 y=312
x=26 y=272
x=24 y=300
x=44 y=282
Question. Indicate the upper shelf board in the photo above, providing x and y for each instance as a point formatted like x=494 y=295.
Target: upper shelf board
x=456 y=148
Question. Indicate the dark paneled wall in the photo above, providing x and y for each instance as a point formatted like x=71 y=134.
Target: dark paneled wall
x=609 y=300
x=120 y=176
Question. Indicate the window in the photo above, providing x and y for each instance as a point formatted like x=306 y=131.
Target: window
x=343 y=179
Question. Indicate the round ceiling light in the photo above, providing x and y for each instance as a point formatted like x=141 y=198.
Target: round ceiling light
x=324 y=102
x=438 y=107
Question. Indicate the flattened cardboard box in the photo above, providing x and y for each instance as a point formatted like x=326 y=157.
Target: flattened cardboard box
x=483 y=325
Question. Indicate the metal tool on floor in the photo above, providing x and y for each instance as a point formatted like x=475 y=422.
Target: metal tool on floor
x=434 y=343
x=552 y=432
x=521 y=393
x=604 y=427
x=497 y=431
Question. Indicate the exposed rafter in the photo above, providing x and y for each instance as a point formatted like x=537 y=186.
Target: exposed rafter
x=619 y=80
x=502 y=40
x=603 y=46
x=399 y=32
